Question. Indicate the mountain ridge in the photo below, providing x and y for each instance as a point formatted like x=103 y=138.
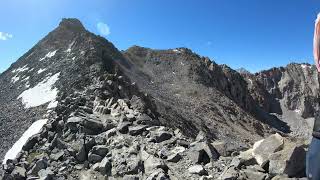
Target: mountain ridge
x=154 y=94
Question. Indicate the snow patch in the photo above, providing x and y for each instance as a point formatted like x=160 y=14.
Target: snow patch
x=297 y=111
x=49 y=55
x=24 y=68
x=17 y=147
x=304 y=66
x=41 y=93
x=26 y=79
x=70 y=47
x=41 y=70
x=15 y=78
x=176 y=50
x=27 y=84
x=52 y=104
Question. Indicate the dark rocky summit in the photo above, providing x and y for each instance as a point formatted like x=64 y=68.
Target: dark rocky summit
x=150 y=114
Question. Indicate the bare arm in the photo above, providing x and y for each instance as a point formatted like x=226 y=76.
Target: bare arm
x=316 y=43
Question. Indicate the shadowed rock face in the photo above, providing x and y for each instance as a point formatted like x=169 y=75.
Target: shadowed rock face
x=296 y=84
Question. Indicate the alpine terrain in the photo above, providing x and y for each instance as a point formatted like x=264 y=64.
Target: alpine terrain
x=75 y=107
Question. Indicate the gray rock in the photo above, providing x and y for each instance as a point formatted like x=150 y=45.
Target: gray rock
x=262 y=149
x=123 y=127
x=161 y=136
x=94 y=158
x=197 y=169
x=101 y=150
x=221 y=148
x=56 y=156
x=82 y=149
x=31 y=142
x=40 y=164
x=230 y=173
x=158 y=174
x=290 y=161
x=58 y=143
x=95 y=167
x=137 y=130
x=111 y=132
x=19 y=173
x=202 y=152
x=174 y=158
x=201 y=136
x=253 y=175
x=144 y=119
x=105 y=166
x=45 y=174
x=93 y=126
x=151 y=163
x=73 y=122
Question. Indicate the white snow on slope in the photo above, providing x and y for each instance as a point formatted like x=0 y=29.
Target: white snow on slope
x=176 y=50
x=70 y=47
x=41 y=70
x=17 y=147
x=49 y=55
x=304 y=66
x=24 y=68
x=52 y=104
x=15 y=79
x=26 y=78
x=40 y=94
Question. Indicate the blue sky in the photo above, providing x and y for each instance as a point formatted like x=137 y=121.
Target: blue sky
x=254 y=34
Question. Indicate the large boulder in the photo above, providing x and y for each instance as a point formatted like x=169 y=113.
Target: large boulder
x=229 y=173
x=290 y=161
x=263 y=148
x=100 y=150
x=19 y=173
x=93 y=126
x=73 y=123
x=151 y=163
x=221 y=147
x=105 y=166
x=39 y=165
x=202 y=153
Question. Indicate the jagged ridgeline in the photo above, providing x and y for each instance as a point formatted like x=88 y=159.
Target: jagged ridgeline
x=75 y=107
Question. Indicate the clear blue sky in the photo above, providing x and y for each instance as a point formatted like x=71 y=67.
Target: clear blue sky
x=254 y=34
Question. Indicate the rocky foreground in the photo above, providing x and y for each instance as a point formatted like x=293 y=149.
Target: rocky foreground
x=93 y=136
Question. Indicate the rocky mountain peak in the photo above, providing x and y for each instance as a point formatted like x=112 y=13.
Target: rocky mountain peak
x=71 y=23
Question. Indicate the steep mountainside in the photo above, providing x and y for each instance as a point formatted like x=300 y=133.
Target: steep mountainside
x=68 y=59
x=74 y=107
x=192 y=91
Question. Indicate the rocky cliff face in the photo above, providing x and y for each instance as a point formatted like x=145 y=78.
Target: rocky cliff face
x=74 y=107
x=290 y=93
x=297 y=84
